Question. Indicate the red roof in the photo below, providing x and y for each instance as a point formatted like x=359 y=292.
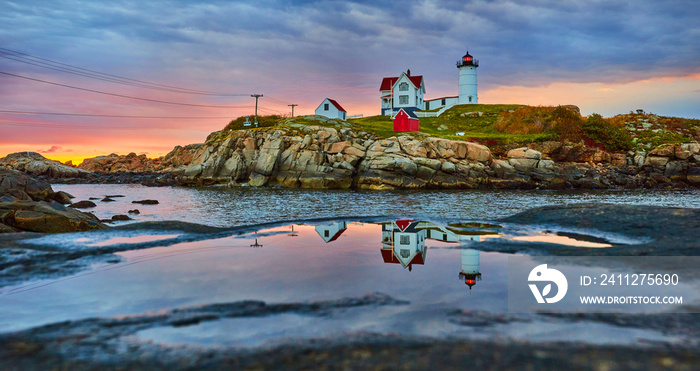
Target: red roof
x=388 y=82
x=337 y=105
x=335 y=236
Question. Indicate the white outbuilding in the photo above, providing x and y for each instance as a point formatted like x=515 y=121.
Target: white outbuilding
x=331 y=109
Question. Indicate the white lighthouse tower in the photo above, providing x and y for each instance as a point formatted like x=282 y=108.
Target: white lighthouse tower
x=467 y=80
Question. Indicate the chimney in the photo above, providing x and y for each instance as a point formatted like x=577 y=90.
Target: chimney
x=408 y=72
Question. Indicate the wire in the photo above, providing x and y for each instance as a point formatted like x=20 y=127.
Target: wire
x=120 y=116
x=118 y=95
x=57 y=66
x=83 y=127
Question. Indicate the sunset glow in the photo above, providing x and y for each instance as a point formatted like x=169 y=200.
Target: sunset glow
x=530 y=53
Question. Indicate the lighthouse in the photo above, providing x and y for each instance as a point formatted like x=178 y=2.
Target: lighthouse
x=467 y=80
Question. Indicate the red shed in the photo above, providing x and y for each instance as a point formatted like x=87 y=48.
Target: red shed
x=405 y=121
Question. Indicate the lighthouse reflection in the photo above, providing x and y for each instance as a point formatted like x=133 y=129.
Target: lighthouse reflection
x=406 y=242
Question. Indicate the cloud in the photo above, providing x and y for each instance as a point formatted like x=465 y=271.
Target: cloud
x=53 y=149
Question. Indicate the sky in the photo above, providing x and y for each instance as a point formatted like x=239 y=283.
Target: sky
x=606 y=57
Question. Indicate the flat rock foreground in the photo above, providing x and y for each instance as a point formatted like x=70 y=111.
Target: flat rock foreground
x=109 y=342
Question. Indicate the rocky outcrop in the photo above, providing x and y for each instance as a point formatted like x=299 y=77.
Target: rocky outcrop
x=174 y=162
x=35 y=164
x=28 y=204
x=114 y=163
x=326 y=157
x=339 y=157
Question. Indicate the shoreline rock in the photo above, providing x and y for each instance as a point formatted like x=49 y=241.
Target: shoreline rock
x=31 y=205
x=322 y=157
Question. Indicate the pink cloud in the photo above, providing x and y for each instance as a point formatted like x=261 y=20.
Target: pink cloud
x=51 y=150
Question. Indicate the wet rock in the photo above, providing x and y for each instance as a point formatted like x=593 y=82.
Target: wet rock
x=107 y=199
x=120 y=218
x=135 y=211
x=82 y=205
x=62 y=197
x=145 y=202
x=46 y=217
x=693 y=175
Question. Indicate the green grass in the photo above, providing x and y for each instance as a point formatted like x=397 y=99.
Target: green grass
x=482 y=129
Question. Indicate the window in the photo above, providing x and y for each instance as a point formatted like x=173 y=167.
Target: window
x=386 y=101
x=403 y=86
x=470 y=99
x=403 y=99
x=443 y=101
x=325 y=106
x=405 y=240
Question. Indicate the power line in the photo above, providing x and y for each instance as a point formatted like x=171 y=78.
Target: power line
x=58 y=66
x=83 y=127
x=118 y=116
x=117 y=95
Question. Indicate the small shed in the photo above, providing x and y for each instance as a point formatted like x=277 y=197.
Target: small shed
x=405 y=120
x=331 y=109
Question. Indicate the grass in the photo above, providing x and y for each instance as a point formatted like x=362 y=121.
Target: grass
x=502 y=124
x=456 y=119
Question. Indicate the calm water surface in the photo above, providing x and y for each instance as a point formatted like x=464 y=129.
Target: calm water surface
x=437 y=276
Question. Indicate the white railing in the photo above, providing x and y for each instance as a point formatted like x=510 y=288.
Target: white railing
x=356 y=116
x=426 y=114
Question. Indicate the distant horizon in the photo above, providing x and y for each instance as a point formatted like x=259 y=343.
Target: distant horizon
x=170 y=58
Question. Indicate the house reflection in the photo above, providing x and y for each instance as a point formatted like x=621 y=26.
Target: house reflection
x=403 y=243
x=331 y=232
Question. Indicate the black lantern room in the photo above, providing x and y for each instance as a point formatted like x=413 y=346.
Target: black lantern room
x=467 y=60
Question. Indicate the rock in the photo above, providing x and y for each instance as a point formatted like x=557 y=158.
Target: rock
x=525 y=153
x=107 y=199
x=35 y=164
x=82 y=205
x=257 y=180
x=44 y=217
x=523 y=164
x=23 y=187
x=135 y=211
x=113 y=163
x=146 y=202
x=120 y=218
x=503 y=169
x=62 y=197
x=693 y=175
x=667 y=150
x=656 y=161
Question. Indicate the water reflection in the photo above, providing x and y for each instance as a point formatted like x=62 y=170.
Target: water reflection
x=331 y=232
x=404 y=242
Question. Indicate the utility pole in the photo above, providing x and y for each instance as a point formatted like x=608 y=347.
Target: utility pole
x=256 y=96
x=292 y=105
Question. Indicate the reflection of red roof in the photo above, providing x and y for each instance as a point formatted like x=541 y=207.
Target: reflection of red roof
x=388 y=82
x=388 y=256
x=335 y=236
x=336 y=105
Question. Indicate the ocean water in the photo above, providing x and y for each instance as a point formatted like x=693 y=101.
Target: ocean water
x=226 y=207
